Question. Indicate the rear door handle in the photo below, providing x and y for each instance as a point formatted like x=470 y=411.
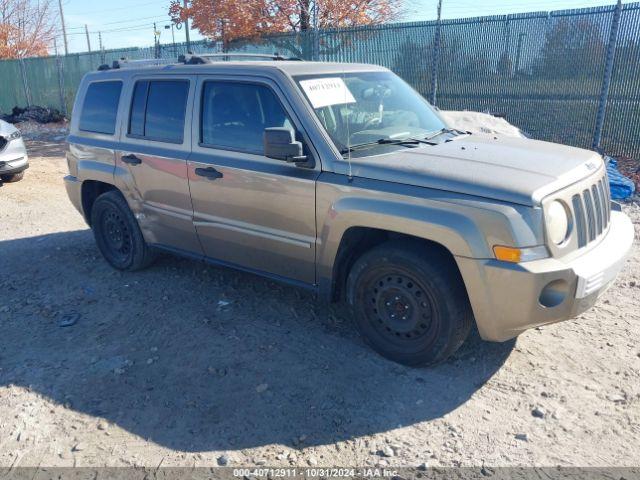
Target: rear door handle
x=131 y=159
x=209 y=172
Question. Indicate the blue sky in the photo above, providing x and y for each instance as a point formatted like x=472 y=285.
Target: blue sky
x=130 y=22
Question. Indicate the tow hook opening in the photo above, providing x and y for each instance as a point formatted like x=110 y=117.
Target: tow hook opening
x=554 y=293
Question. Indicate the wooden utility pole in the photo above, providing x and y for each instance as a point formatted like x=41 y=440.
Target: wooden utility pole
x=156 y=41
x=86 y=31
x=186 y=29
x=102 y=58
x=64 y=29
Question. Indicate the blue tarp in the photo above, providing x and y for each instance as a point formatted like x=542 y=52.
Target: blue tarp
x=621 y=187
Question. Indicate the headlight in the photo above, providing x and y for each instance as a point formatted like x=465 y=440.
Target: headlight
x=15 y=135
x=557 y=222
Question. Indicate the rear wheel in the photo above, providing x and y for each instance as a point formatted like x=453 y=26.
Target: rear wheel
x=14 y=177
x=409 y=302
x=117 y=233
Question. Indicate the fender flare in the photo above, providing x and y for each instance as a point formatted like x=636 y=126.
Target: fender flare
x=441 y=223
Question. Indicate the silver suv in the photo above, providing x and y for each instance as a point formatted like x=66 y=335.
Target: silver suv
x=342 y=179
x=13 y=153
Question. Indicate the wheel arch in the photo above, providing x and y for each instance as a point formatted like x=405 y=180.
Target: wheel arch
x=356 y=241
x=354 y=225
x=90 y=191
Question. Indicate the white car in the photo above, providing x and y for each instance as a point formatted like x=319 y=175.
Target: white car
x=13 y=153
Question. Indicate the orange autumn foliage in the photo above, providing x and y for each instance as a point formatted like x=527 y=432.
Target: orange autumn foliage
x=26 y=28
x=229 y=20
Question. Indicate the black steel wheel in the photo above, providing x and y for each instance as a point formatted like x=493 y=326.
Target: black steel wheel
x=402 y=308
x=118 y=240
x=409 y=302
x=117 y=233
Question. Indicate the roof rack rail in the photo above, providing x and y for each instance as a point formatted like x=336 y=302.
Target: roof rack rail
x=126 y=63
x=198 y=59
x=191 y=59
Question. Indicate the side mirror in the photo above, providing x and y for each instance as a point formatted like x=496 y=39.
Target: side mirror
x=280 y=144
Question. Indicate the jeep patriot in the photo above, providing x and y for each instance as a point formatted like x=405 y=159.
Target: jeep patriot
x=342 y=179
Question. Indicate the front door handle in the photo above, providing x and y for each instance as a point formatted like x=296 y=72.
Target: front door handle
x=131 y=159
x=209 y=172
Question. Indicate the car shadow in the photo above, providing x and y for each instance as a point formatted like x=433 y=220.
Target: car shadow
x=200 y=358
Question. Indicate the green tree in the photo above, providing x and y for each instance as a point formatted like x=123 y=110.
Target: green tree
x=573 y=47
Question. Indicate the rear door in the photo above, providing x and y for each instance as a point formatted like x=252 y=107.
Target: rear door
x=152 y=162
x=249 y=210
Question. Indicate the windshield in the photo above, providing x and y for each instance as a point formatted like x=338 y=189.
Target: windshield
x=377 y=111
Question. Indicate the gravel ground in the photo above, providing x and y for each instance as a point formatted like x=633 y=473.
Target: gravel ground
x=188 y=364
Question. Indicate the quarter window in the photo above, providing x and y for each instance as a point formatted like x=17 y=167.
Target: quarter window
x=158 y=110
x=234 y=116
x=100 y=107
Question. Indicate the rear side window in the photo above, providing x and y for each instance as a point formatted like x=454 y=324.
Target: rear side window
x=100 y=107
x=158 y=110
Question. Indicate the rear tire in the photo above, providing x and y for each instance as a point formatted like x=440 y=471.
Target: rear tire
x=14 y=177
x=409 y=302
x=117 y=233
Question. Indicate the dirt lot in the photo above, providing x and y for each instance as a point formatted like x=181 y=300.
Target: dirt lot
x=186 y=364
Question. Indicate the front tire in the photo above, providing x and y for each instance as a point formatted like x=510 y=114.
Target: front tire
x=14 y=177
x=410 y=303
x=117 y=233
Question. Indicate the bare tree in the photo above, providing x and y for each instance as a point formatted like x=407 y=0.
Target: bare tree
x=27 y=28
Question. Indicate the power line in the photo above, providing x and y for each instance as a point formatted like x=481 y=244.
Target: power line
x=96 y=27
x=132 y=28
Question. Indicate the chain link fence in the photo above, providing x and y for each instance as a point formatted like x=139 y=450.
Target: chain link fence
x=570 y=76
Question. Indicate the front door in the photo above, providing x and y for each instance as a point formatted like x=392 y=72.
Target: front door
x=250 y=211
x=152 y=163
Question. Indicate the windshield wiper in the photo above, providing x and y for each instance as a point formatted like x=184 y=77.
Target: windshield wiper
x=405 y=142
x=444 y=130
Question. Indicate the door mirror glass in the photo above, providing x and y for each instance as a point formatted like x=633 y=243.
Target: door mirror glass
x=280 y=144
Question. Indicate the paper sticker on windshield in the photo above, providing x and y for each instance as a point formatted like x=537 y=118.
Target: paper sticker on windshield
x=323 y=92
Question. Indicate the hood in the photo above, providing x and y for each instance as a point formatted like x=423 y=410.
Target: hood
x=510 y=169
x=6 y=129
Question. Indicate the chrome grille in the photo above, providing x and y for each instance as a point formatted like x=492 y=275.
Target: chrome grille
x=592 y=211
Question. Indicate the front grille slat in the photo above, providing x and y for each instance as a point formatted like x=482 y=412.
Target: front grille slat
x=580 y=220
x=591 y=209
x=597 y=211
x=607 y=190
x=603 y=207
x=591 y=221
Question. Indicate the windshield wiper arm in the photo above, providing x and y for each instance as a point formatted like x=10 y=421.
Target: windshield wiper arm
x=406 y=142
x=444 y=130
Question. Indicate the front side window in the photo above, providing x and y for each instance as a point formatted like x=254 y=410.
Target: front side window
x=100 y=107
x=234 y=116
x=158 y=110
x=371 y=109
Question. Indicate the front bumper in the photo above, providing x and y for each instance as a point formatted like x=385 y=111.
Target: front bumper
x=508 y=299
x=13 y=157
x=16 y=165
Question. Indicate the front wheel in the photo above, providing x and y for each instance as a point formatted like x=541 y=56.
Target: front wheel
x=117 y=233
x=14 y=177
x=410 y=303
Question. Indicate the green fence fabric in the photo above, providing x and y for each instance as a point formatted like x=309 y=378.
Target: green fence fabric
x=543 y=70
